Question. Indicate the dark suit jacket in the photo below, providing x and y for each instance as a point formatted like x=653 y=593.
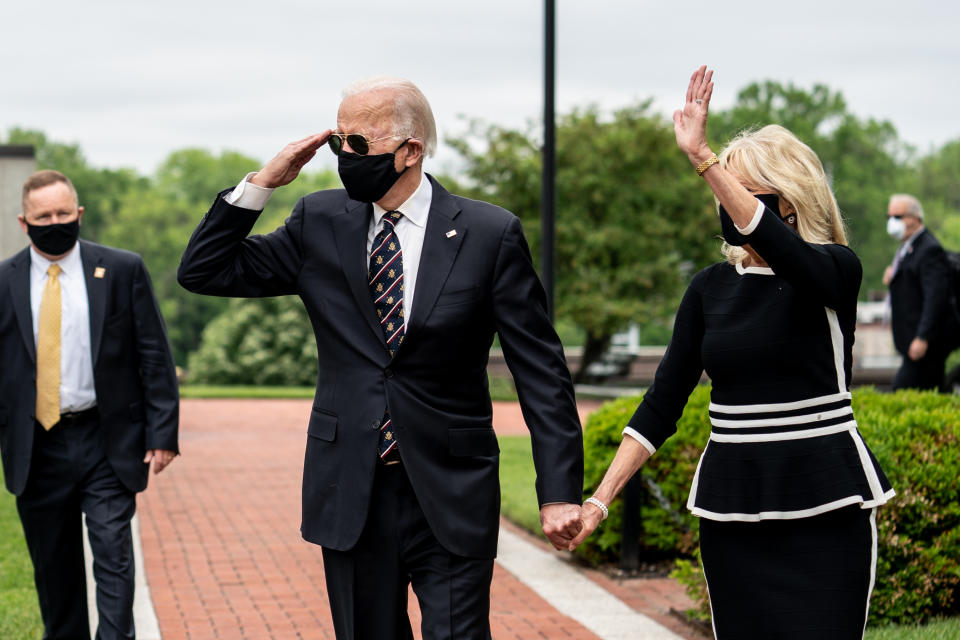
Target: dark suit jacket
x=471 y=284
x=133 y=370
x=919 y=293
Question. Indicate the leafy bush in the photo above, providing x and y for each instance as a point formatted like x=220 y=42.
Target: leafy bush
x=267 y=341
x=913 y=435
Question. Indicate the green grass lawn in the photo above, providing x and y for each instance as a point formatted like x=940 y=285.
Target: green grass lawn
x=19 y=610
x=519 y=505
x=501 y=389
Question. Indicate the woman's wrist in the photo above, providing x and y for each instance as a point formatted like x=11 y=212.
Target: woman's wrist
x=699 y=156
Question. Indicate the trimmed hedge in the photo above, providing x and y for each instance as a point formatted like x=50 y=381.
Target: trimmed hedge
x=916 y=438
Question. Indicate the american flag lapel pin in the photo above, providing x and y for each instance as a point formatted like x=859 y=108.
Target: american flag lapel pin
x=99 y=272
x=451 y=233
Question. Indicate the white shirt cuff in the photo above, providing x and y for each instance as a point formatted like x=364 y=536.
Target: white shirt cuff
x=247 y=195
x=754 y=222
x=633 y=433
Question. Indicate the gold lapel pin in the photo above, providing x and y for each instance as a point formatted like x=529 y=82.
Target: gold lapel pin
x=451 y=233
x=99 y=272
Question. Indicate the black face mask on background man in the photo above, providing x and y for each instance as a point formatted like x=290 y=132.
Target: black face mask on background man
x=54 y=239
x=735 y=238
x=368 y=178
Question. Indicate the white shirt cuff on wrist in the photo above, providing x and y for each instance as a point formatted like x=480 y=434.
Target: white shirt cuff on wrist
x=247 y=195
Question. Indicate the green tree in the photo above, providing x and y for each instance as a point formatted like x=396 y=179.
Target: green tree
x=631 y=213
x=864 y=158
x=266 y=341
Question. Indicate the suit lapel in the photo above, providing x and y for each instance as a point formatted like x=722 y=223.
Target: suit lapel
x=440 y=249
x=350 y=232
x=97 y=290
x=20 y=294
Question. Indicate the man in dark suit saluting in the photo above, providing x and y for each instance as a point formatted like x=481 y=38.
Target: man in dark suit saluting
x=918 y=278
x=88 y=398
x=405 y=285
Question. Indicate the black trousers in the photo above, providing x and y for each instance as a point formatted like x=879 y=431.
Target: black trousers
x=791 y=579
x=368 y=584
x=70 y=475
x=927 y=373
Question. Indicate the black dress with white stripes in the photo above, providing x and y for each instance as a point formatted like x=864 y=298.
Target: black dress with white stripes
x=777 y=344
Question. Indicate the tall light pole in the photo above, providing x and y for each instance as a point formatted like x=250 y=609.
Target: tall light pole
x=548 y=183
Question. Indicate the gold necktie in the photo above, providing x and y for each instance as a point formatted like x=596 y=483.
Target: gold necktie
x=48 y=352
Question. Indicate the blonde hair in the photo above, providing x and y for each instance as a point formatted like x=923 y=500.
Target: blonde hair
x=412 y=115
x=773 y=159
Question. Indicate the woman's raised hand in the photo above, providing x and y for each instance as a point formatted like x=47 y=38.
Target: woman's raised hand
x=690 y=123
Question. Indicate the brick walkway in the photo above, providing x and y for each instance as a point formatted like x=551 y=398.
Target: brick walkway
x=223 y=552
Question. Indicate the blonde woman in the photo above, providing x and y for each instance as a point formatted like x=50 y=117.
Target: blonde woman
x=786 y=489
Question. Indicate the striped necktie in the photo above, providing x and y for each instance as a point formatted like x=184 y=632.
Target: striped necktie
x=386 y=289
x=48 y=351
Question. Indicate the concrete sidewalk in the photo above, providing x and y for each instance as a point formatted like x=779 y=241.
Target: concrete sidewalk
x=224 y=558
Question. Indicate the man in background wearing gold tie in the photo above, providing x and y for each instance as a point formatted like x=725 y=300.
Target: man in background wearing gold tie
x=88 y=398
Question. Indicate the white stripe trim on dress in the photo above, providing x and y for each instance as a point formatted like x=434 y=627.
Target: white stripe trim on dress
x=786 y=435
x=760 y=271
x=873 y=565
x=836 y=338
x=696 y=479
x=782 y=515
x=780 y=406
x=633 y=433
x=779 y=422
x=872 y=478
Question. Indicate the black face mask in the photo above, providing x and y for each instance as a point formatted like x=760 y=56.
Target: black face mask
x=54 y=239
x=368 y=178
x=731 y=235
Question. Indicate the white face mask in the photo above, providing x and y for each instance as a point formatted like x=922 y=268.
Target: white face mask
x=896 y=228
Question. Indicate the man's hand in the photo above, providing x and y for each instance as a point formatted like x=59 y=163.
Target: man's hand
x=286 y=165
x=560 y=522
x=161 y=458
x=888 y=276
x=590 y=517
x=918 y=349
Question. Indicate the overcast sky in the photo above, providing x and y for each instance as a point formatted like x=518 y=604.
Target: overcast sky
x=132 y=81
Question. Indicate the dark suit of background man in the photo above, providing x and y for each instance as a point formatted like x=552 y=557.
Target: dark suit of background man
x=400 y=480
x=918 y=279
x=88 y=397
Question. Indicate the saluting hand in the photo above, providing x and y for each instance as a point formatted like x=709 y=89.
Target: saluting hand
x=286 y=165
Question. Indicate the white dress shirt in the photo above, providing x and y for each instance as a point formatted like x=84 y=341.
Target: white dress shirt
x=410 y=228
x=76 y=362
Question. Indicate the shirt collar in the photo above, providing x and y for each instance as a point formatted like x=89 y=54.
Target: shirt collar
x=69 y=264
x=415 y=208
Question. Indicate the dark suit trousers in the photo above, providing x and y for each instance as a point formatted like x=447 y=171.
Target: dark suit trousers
x=925 y=373
x=69 y=474
x=368 y=584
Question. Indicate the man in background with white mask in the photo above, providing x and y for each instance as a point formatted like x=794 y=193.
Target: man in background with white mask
x=918 y=280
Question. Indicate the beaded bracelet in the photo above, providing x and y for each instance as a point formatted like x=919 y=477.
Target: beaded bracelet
x=595 y=502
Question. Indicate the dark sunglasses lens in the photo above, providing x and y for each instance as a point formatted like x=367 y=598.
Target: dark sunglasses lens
x=358 y=143
x=336 y=143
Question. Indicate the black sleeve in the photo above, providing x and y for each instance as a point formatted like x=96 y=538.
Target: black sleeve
x=535 y=357
x=221 y=260
x=678 y=373
x=934 y=274
x=158 y=375
x=829 y=273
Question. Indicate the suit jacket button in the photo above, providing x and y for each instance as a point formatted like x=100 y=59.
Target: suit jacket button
x=388 y=373
x=375 y=424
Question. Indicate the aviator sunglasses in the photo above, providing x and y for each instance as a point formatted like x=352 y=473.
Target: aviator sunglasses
x=357 y=142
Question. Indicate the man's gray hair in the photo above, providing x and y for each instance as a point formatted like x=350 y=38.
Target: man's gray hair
x=412 y=115
x=913 y=205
